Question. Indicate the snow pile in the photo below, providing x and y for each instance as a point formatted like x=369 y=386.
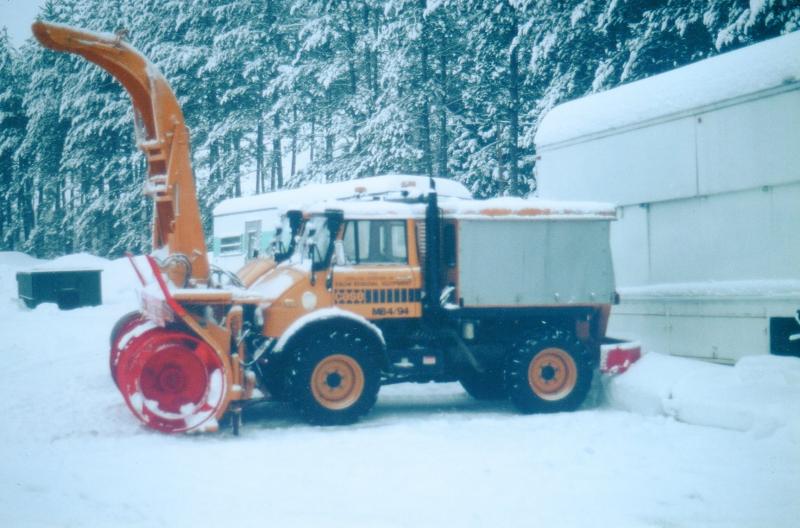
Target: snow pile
x=78 y=261
x=760 y=394
x=758 y=67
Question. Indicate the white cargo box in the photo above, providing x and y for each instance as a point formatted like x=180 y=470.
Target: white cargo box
x=534 y=262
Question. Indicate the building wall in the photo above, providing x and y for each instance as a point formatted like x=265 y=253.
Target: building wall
x=710 y=197
x=714 y=195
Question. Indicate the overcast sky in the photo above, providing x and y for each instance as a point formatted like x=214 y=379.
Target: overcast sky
x=17 y=16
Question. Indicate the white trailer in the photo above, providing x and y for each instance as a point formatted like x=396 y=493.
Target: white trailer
x=244 y=227
x=704 y=163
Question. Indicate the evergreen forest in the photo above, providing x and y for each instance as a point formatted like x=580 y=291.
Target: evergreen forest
x=282 y=92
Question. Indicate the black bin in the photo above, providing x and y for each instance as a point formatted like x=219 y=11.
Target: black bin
x=67 y=288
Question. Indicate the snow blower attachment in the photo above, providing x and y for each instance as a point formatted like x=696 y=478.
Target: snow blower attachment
x=162 y=136
x=510 y=297
x=172 y=379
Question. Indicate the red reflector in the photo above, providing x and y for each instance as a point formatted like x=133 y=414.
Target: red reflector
x=616 y=358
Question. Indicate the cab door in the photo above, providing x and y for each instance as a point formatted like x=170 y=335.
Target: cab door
x=381 y=277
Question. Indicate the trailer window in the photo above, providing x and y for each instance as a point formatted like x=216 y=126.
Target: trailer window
x=252 y=239
x=230 y=245
x=375 y=241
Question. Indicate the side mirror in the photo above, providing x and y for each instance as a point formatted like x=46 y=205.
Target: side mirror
x=311 y=245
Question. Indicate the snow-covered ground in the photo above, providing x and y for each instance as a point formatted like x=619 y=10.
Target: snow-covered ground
x=673 y=442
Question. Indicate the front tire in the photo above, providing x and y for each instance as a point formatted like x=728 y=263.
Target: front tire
x=334 y=380
x=548 y=371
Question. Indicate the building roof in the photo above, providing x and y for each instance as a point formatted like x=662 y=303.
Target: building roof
x=770 y=65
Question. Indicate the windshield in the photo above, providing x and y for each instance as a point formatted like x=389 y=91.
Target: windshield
x=316 y=232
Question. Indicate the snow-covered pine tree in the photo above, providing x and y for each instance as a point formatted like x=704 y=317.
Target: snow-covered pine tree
x=12 y=132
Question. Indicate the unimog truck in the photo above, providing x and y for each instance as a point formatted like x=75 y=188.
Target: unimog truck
x=510 y=297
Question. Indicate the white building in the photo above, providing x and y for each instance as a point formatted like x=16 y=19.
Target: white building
x=704 y=163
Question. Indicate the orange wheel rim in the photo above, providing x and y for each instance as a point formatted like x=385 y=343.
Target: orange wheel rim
x=552 y=374
x=337 y=382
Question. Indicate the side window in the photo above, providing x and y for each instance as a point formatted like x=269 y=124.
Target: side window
x=376 y=242
x=364 y=241
x=397 y=241
x=230 y=245
x=349 y=242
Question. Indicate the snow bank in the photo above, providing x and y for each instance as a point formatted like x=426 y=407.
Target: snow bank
x=760 y=394
x=752 y=69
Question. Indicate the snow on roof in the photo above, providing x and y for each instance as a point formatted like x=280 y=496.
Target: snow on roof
x=371 y=208
x=315 y=192
x=727 y=76
x=499 y=208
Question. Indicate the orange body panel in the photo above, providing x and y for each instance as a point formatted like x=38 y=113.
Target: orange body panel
x=301 y=298
x=255 y=269
x=389 y=291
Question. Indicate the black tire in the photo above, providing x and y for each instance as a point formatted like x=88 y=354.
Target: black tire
x=121 y=324
x=324 y=365
x=488 y=385
x=273 y=379
x=548 y=371
x=126 y=323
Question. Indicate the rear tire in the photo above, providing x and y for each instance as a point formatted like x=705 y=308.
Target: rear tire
x=333 y=379
x=488 y=385
x=548 y=371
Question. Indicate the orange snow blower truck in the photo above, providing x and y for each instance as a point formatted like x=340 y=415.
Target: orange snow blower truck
x=510 y=297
